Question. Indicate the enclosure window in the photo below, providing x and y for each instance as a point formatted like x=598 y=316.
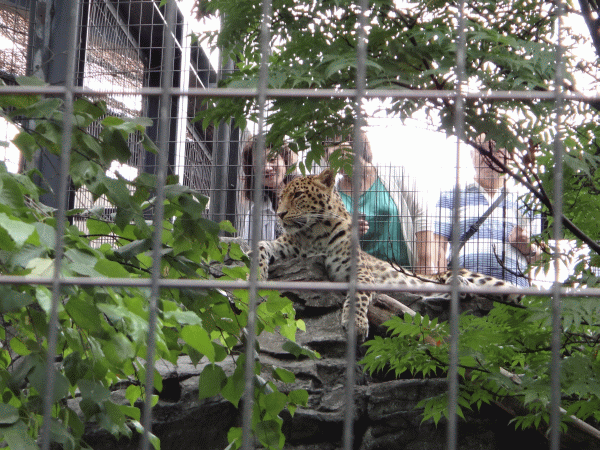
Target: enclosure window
x=14 y=35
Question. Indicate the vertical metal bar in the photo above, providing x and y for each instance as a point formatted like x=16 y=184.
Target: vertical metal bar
x=220 y=156
x=357 y=175
x=555 y=366
x=231 y=209
x=259 y=168
x=60 y=223
x=452 y=434
x=218 y=180
x=39 y=37
x=163 y=135
x=182 y=104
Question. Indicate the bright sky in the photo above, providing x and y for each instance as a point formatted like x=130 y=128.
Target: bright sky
x=427 y=155
x=8 y=152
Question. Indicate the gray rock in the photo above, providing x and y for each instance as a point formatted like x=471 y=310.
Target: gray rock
x=386 y=414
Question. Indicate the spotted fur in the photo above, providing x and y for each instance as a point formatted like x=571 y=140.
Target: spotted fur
x=317 y=223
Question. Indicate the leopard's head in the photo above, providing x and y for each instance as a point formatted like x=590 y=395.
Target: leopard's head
x=307 y=201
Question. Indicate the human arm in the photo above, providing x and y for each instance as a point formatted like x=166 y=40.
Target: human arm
x=519 y=238
x=430 y=253
x=415 y=224
x=433 y=227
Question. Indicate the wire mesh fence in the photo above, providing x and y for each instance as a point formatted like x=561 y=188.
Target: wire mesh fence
x=138 y=58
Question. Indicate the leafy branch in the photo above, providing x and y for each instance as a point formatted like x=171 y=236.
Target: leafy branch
x=102 y=331
x=515 y=338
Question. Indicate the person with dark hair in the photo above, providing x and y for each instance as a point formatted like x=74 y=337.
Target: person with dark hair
x=392 y=217
x=277 y=163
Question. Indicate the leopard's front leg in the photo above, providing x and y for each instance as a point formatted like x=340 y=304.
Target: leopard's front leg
x=265 y=254
x=271 y=251
x=362 y=302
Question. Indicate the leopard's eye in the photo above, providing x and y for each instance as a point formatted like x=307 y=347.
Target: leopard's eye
x=297 y=194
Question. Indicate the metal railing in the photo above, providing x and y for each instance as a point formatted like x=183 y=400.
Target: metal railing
x=69 y=92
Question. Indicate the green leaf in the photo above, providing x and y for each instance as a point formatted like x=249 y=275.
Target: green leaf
x=149 y=144
x=84 y=313
x=26 y=144
x=16 y=229
x=133 y=393
x=11 y=194
x=90 y=174
x=8 y=414
x=119 y=349
x=82 y=262
x=184 y=317
x=61 y=435
x=227 y=227
x=283 y=375
x=234 y=388
x=43 y=296
x=90 y=110
x=39 y=379
x=75 y=368
x=30 y=81
x=11 y=300
x=114 y=413
x=197 y=337
x=299 y=397
x=43 y=108
x=211 y=380
x=234 y=436
x=131 y=411
x=41 y=267
x=111 y=269
x=119 y=195
x=345 y=63
x=98 y=227
x=47 y=234
x=115 y=146
x=16 y=437
x=131 y=250
x=297 y=350
x=274 y=402
x=19 y=347
x=154 y=440
x=269 y=433
x=93 y=391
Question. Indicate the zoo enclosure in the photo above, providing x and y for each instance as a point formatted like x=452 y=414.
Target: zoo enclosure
x=122 y=51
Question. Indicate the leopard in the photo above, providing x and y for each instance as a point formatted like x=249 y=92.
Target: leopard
x=316 y=223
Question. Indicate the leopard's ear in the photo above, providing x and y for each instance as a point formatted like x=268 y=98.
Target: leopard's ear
x=327 y=177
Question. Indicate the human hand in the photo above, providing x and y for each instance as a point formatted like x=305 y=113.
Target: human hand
x=363 y=226
x=519 y=238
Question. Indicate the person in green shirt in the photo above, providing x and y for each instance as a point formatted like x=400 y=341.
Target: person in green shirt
x=393 y=220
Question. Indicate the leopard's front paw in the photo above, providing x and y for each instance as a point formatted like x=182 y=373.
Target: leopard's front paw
x=361 y=326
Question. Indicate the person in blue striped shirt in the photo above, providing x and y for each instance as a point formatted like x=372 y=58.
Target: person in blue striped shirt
x=501 y=247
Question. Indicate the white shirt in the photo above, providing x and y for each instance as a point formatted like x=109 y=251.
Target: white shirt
x=268 y=220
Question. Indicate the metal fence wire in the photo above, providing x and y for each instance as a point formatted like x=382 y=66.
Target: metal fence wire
x=138 y=57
